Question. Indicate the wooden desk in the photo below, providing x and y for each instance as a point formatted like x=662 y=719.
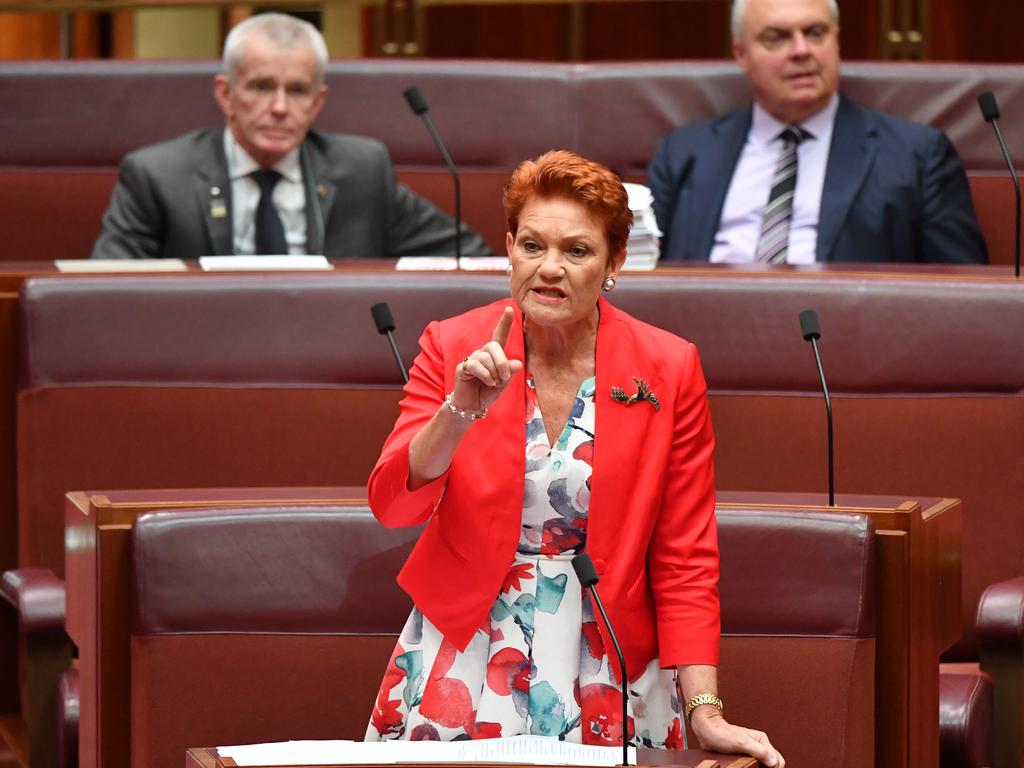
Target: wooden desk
x=918 y=555
x=98 y=584
x=918 y=610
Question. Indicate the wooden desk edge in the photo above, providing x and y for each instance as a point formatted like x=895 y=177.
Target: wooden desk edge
x=206 y=757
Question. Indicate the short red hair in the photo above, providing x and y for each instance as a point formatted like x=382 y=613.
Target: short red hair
x=565 y=174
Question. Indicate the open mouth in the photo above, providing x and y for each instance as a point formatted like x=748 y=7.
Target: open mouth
x=551 y=294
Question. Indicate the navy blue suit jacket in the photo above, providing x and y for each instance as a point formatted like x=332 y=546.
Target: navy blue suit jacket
x=894 y=190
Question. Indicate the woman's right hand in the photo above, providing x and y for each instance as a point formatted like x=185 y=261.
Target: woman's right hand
x=483 y=375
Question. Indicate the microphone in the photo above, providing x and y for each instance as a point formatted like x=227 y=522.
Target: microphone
x=587 y=575
x=990 y=112
x=418 y=103
x=811 y=331
x=385 y=325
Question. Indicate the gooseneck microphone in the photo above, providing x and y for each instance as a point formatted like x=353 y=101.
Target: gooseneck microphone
x=385 y=325
x=990 y=111
x=418 y=104
x=811 y=331
x=587 y=574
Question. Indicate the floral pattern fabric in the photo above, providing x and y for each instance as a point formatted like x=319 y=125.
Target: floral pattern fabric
x=518 y=675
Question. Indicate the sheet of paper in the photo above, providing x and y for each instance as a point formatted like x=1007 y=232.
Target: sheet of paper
x=247 y=263
x=483 y=263
x=89 y=266
x=516 y=749
x=433 y=263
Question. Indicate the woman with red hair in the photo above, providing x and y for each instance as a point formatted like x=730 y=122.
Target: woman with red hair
x=534 y=429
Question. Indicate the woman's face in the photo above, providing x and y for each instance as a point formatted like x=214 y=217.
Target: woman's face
x=560 y=258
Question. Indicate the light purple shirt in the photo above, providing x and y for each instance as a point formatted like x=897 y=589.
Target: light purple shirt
x=740 y=225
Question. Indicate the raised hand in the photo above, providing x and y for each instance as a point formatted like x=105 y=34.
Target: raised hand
x=483 y=375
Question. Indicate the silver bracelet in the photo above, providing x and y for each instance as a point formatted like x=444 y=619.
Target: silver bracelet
x=471 y=415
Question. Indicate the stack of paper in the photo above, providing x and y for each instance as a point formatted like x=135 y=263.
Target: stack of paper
x=642 y=247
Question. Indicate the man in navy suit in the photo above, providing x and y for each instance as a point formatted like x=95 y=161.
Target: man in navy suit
x=856 y=184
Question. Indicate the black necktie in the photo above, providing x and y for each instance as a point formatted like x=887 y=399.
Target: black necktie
x=773 y=244
x=270 y=238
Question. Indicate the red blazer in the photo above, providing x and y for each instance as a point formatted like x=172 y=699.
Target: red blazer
x=651 y=528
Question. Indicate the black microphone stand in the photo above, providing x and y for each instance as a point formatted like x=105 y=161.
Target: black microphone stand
x=419 y=105
x=1016 y=191
x=990 y=113
x=812 y=332
x=587 y=575
x=385 y=324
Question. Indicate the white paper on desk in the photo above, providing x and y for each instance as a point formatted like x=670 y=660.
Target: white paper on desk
x=432 y=263
x=535 y=750
x=90 y=266
x=483 y=263
x=246 y=263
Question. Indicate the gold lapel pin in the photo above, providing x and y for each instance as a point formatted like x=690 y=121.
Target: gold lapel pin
x=643 y=393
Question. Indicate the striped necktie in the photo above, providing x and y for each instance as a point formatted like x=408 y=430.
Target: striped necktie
x=773 y=243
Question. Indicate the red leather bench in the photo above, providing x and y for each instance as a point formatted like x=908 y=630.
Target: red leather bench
x=492 y=115
x=276 y=624
x=928 y=398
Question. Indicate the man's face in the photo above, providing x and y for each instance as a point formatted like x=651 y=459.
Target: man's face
x=273 y=99
x=789 y=50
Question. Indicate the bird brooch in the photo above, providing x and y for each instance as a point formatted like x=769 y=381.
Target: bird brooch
x=643 y=392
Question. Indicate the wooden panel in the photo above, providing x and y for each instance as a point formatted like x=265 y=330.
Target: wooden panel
x=694 y=29
x=29 y=36
x=538 y=32
x=961 y=30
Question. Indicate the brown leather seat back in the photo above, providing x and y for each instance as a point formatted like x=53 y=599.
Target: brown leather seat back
x=260 y=624
x=277 y=624
x=207 y=381
x=798 y=626
x=492 y=115
x=263 y=380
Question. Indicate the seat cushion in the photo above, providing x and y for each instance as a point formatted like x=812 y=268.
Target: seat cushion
x=965 y=717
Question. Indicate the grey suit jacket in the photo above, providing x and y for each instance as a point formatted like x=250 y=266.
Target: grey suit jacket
x=894 y=190
x=173 y=200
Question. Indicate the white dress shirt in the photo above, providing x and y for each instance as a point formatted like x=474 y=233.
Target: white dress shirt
x=740 y=225
x=289 y=198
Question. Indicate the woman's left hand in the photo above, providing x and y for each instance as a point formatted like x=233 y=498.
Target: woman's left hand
x=716 y=734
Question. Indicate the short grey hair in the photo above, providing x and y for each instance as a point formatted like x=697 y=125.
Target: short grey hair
x=280 y=29
x=740 y=6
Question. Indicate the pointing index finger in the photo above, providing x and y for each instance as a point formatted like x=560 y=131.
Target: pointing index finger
x=504 y=327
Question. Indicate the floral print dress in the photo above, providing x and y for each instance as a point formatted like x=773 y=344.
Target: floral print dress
x=520 y=674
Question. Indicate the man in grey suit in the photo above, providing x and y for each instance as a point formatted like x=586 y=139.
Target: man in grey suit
x=267 y=184
x=804 y=174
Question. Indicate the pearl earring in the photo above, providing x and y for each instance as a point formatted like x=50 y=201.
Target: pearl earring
x=508 y=268
x=608 y=284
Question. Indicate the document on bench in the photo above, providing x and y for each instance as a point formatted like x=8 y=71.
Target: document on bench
x=535 y=750
x=91 y=266
x=450 y=263
x=249 y=263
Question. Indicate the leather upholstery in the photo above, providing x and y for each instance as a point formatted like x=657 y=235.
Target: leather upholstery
x=491 y=114
x=67 y=719
x=37 y=599
x=222 y=637
x=264 y=380
x=965 y=717
x=280 y=367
